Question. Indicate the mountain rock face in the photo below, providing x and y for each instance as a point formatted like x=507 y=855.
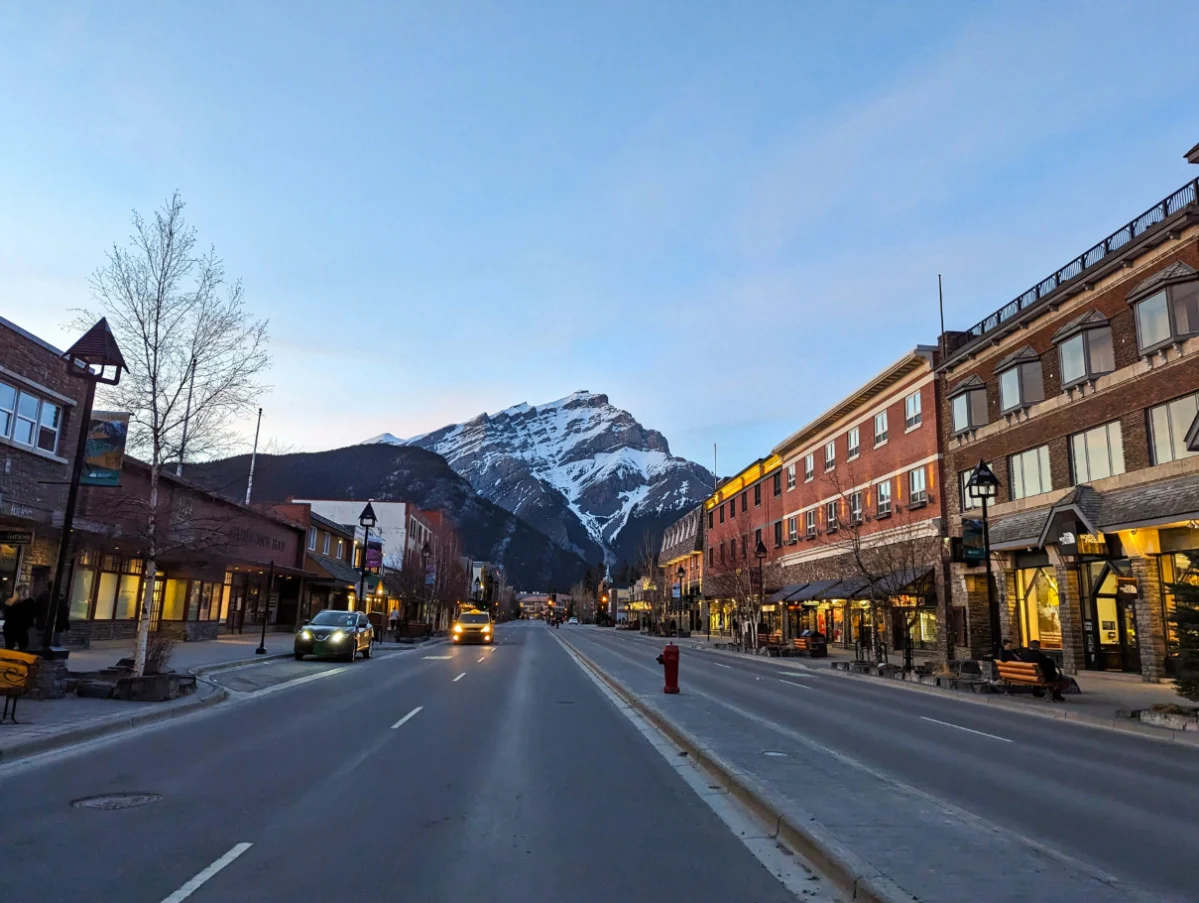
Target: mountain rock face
x=414 y=475
x=579 y=469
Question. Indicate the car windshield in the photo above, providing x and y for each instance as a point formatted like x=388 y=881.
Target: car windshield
x=475 y=618
x=334 y=619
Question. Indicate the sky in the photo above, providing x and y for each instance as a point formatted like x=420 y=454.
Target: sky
x=724 y=216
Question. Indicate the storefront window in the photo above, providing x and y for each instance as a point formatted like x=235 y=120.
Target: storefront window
x=1179 y=567
x=127 y=596
x=8 y=570
x=106 y=595
x=173 y=600
x=81 y=593
x=1038 y=607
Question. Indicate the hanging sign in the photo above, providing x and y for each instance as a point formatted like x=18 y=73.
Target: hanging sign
x=105 y=450
x=973 y=548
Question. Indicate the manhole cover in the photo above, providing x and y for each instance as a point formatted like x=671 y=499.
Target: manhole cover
x=111 y=801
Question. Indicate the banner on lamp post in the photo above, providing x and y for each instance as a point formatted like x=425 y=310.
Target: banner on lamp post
x=104 y=453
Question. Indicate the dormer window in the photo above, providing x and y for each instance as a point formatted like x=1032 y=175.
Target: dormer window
x=1085 y=348
x=1166 y=306
x=1020 y=382
x=968 y=401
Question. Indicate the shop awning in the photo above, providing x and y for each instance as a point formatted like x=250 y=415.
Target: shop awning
x=813 y=591
x=849 y=588
x=335 y=569
x=785 y=594
x=901 y=581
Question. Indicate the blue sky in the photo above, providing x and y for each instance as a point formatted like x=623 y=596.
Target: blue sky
x=723 y=215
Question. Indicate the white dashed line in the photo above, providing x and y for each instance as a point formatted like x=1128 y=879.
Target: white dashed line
x=966 y=729
x=794 y=684
x=719 y=665
x=459 y=677
x=438 y=658
x=480 y=658
x=408 y=717
x=198 y=881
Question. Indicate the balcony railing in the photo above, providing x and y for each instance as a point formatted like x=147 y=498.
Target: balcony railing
x=1186 y=196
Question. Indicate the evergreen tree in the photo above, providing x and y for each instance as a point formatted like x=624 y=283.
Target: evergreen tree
x=1185 y=619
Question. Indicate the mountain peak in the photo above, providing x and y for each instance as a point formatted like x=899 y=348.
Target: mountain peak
x=578 y=468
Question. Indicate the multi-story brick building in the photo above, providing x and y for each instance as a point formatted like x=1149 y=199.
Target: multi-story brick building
x=861 y=522
x=683 y=551
x=1079 y=394
x=330 y=559
x=39 y=429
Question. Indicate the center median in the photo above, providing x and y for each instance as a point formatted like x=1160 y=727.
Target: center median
x=876 y=838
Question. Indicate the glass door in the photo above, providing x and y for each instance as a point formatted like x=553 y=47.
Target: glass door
x=1114 y=625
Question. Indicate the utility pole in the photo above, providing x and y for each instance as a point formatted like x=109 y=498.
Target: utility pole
x=253 y=458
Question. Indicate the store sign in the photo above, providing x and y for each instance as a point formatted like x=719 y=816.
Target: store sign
x=16 y=537
x=1090 y=544
x=676 y=591
x=105 y=451
x=374 y=556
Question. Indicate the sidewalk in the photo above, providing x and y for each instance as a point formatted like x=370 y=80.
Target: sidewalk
x=1105 y=700
x=185 y=656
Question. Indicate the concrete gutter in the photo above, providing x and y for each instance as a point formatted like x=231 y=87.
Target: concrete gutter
x=851 y=875
x=113 y=725
x=995 y=700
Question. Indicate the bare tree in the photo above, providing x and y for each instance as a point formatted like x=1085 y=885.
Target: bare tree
x=195 y=356
x=743 y=587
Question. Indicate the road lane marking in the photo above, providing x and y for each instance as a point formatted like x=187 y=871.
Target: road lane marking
x=416 y=711
x=480 y=658
x=198 y=881
x=459 y=677
x=968 y=730
x=719 y=665
x=439 y=658
x=794 y=684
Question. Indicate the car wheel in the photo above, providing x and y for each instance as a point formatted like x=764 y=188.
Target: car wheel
x=350 y=653
x=366 y=653
x=299 y=656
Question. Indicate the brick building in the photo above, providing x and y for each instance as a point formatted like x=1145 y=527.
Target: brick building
x=330 y=559
x=39 y=429
x=1079 y=395
x=683 y=550
x=862 y=510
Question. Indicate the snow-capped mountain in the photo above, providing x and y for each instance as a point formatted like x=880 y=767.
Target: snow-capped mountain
x=579 y=469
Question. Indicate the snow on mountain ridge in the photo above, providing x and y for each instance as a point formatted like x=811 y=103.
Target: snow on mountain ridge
x=578 y=459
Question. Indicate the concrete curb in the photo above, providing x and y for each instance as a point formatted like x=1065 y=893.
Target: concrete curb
x=1124 y=726
x=113 y=725
x=238 y=663
x=852 y=875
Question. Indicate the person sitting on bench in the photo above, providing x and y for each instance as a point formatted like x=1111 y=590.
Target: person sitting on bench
x=1007 y=651
x=1048 y=669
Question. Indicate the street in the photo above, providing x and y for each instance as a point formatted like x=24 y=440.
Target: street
x=436 y=774
x=1023 y=802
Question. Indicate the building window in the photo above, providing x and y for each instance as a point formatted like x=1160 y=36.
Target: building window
x=722 y=553
x=744 y=502
x=855 y=507
x=757 y=538
x=1029 y=471
x=325 y=545
x=29 y=420
x=1168 y=425
x=1097 y=453
x=830 y=453
x=711 y=557
x=884 y=499
x=830 y=516
x=969 y=410
x=341 y=549
x=722 y=514
x=790 y=477
x=1021 y=386
x=809 y=523
x=1086 y=355
x=880 y=427
x=1038 y=607
x=852 y=440
x=733 y=548
x=778 y=533
x=793 y=529
x=757 y=495
x=912 y=415
x=809 y=467
x=917 y=490
x=778 y=484
x=732 y=508
x=709 y=520
x=312 y=539
x=1168 y=316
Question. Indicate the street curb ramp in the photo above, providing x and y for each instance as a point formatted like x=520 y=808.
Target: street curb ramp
x=851 y=874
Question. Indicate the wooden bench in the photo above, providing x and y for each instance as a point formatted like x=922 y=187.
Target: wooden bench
x=804 y=646
x=17 y=671
x=1024 y=674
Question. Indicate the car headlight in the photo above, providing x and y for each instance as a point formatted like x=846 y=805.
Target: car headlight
x=305 y=635
x=457 y=628
x=337 y=636
x=487 y=628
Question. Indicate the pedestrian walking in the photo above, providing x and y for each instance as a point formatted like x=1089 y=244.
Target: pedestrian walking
x=18 y=618
x=393 y=619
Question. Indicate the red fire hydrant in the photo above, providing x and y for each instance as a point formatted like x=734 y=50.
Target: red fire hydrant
x=669 y=660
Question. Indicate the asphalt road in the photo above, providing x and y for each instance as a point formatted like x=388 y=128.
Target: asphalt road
x=1116 y=802
x=442 y=774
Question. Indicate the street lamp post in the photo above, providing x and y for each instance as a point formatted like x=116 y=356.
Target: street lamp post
x=681 y=574
x=983 y=486
x=760 y=553
x=266 y=614
x=366 y=520
x=425 y=554
x=97 y=359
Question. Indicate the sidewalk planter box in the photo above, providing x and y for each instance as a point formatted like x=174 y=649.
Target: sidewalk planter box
x=154 y=687
x=1173 y=720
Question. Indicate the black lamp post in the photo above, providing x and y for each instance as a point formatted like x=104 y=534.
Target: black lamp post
x=681 y=574
x=97 y=359
x=983 y=486
x=425 y=554
x=366 y=520
x=266 y=613
x=760 y=553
